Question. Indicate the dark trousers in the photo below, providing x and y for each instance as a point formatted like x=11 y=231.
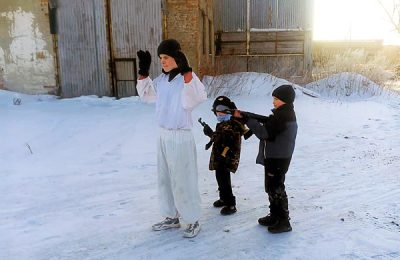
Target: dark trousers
x=223 y=177
x=275 y=173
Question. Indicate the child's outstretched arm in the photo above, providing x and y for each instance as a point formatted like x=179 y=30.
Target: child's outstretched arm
x=253 y=122
x=258 y=129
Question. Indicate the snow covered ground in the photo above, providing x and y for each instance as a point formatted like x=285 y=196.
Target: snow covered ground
x=78 y=180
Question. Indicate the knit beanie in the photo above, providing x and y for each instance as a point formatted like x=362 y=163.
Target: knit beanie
x=224 y=101
x=169 y=47
x=285 y=93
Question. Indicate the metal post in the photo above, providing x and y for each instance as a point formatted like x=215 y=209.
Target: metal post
x=248 y=29
x=248 y=35
x=111 y=67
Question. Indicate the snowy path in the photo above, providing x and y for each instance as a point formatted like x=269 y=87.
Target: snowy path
x=88 y=189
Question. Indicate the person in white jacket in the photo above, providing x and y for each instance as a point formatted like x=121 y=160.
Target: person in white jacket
x=176 y=92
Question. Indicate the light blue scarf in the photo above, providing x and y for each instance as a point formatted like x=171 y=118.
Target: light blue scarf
x=223 y=118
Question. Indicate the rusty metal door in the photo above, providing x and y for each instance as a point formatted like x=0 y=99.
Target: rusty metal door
x=133 y=25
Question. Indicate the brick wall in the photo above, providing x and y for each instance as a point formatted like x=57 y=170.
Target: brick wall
x=184 y=23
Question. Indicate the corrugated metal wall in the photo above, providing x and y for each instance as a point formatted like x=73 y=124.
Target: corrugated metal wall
x=82 y=48
x=135 y=25
x=291 y=14
x=230 y=15
x=98 y=41
x=263 y=14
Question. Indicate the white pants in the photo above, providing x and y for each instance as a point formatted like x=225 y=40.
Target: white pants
x=178 y=190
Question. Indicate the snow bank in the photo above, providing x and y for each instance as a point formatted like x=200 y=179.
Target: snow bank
x=345 y=86
x=242 y=83
x=248 y=84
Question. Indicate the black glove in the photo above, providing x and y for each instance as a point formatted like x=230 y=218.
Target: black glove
x=182 y=62
x=207 y=130
x=144 y=62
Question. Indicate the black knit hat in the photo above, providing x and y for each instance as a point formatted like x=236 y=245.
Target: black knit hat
x=285 y=93
x=224 y=101
x=169 y=47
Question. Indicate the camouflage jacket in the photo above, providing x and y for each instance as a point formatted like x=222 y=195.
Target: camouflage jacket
x=227 y=140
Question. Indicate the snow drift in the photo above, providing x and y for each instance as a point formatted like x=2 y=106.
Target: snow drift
x=344 y=86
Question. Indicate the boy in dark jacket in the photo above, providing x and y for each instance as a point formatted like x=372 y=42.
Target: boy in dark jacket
x=225 y=153
x=277 y=134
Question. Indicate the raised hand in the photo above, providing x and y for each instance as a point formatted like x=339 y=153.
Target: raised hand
x=182 y=62
x=144 y=62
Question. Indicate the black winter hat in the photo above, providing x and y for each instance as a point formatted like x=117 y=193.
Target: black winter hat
x=285 y=93
x=224 y=101
x=169 y=47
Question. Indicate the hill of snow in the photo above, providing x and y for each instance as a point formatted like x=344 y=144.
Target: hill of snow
x=345 y=86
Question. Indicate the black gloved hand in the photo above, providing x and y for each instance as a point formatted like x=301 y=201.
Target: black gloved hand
x=144 y=62
x=207 y=130
x=182 y=62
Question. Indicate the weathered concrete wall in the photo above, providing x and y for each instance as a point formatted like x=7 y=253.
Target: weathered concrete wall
x=26 y=48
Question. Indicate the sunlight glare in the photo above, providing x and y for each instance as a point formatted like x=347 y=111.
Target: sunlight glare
x=353 y=20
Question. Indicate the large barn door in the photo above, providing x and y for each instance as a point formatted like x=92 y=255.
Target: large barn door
x=134 y=25
x=82 y=48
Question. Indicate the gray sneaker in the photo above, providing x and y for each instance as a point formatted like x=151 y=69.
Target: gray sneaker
x=167 y=224
x=192 y=230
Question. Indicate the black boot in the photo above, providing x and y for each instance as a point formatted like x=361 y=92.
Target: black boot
x=219 y=203
x=268 y=220
x=228 y=210
x=283 y=225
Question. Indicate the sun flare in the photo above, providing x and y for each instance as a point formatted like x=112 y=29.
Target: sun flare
x=353 y=20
